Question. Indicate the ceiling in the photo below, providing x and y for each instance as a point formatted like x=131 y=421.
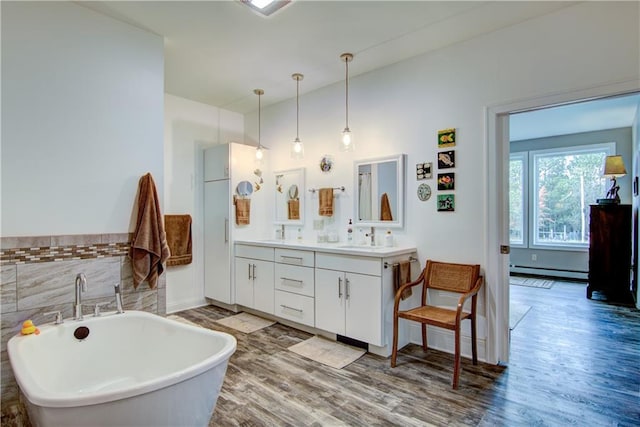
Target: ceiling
x=606 y=113
x=217 y=52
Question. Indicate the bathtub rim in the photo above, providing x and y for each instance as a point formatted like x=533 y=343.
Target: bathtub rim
x=41 y=397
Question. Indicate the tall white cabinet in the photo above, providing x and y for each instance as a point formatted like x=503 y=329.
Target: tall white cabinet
x=225 y=165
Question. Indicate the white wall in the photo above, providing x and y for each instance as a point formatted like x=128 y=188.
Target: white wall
x=399 y=109
x=82 y=98
x=189 y=127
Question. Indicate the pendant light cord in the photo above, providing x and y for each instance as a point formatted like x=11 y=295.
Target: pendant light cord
x=297 y=109
x=346 y=79
x=259 y=119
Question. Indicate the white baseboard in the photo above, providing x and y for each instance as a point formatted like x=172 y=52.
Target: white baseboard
x=186 y=305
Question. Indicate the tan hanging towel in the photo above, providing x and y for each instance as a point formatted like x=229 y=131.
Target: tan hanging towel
x=293 y=209
x=325 y=196
x=178 y=229
x=385 y=208
x=402 y=276
x=243 y=211
x=149 y=250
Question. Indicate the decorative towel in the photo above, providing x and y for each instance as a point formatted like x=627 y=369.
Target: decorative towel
x=293 y=209
x=385 y=208
x=402 y=276
x=178 y=229
x=243 y=210
x=325 y=201
x=149 y=249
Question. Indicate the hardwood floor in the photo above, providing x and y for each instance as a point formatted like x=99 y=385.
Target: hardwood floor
x=573 y=362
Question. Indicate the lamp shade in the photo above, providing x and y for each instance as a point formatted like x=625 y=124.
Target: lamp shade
x=614 y=167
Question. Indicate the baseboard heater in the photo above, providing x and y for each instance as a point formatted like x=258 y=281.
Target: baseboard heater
x=552 y=272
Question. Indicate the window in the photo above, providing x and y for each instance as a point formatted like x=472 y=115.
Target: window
x=517 y=197
x=564 y=182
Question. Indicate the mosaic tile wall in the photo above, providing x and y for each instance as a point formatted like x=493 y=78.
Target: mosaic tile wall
x=37 y=275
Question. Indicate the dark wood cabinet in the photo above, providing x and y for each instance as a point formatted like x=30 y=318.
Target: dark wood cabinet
x=610 y=252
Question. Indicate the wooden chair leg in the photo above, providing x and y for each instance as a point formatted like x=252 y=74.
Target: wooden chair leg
x=394 y=352
x=456 y=359
x=424 y=337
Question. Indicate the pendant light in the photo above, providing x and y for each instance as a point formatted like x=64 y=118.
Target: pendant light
x=297 y=148
x=346 y=144
x=259 y=148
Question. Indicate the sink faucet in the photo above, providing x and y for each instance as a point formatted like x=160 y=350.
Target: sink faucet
x=81 y=285
x=282 y=232
x=373 y=236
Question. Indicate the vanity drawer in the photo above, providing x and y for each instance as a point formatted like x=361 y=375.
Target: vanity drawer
x=354 y=264
x=297 y=308
x=295 y=257
x=293 y=278
x=254 y=252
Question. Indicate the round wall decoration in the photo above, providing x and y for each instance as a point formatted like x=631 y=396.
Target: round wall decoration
x=424 y=192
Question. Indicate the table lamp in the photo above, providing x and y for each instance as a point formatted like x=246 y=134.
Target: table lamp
x=613 y=168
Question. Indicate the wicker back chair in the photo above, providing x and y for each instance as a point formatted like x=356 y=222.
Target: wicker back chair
x=464 y=279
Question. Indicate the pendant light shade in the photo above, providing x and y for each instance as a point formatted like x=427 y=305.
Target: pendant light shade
x=297 y=148
x=259 y=148
x=346 y=143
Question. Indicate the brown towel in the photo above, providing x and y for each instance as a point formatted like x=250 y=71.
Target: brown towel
x=243 y=211
x=178 y=229
x=385 y=208
x=294 y=209
x=325 y=202
x=149 y=249
x=402 y=276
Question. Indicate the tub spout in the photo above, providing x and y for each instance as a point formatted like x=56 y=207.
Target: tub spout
x=81 y=286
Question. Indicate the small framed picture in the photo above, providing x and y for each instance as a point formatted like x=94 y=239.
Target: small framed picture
x=446 y=202
x=446 y=138
x=424 y=170
x=446 y=159
x=446 y=181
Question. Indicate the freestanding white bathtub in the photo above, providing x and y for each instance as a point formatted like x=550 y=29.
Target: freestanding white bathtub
x=133 y=369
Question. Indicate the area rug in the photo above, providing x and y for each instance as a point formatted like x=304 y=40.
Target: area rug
x=516 y=313
x=245 y=322
x=530 y=282
x=327 y=352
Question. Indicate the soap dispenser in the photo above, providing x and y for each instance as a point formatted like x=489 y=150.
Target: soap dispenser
x=388 y=239
x=350 y=231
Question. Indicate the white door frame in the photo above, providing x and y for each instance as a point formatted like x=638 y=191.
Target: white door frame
x=497 y=214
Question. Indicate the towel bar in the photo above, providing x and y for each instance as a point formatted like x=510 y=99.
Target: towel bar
x=411 y=259
x=313 y=190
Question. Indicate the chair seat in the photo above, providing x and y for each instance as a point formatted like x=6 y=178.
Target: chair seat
x=437 y=316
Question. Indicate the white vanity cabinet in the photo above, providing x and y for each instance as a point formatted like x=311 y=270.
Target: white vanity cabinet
x=254 y=272
x=344 y=291
x=349 y=296
x=294 y=285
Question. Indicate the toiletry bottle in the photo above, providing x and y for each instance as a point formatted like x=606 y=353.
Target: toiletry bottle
x=350 y=232
x=388 y=239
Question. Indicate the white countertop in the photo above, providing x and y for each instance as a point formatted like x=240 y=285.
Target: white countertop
x=340 y=247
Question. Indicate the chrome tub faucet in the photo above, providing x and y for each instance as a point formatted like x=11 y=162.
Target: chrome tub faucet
x=81 y=286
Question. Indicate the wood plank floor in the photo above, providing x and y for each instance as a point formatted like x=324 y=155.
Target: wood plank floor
x=573 y=362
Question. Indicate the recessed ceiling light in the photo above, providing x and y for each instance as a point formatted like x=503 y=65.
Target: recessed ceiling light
x=266 y=7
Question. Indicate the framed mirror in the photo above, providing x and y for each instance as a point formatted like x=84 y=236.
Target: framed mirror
x=289 y=196
x=379 y=185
